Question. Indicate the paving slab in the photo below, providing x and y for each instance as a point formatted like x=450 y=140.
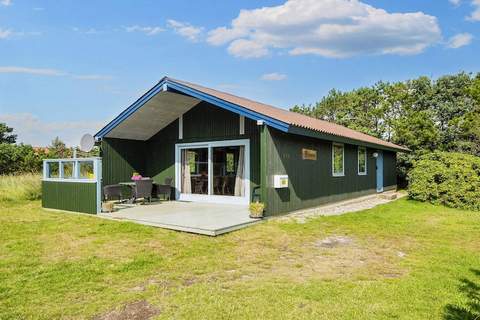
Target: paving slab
x=202 y=218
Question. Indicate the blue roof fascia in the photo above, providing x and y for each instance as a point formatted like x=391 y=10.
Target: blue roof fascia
x=131 y=109
x=282 y=126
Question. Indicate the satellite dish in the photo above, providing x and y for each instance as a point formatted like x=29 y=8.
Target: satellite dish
x=87 y=142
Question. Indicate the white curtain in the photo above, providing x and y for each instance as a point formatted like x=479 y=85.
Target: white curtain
x=239 y=192
x=186 y=181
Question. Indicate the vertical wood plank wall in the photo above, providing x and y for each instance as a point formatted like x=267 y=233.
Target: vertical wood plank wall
x=156 y=157
x=70 y=196
x=311 y=182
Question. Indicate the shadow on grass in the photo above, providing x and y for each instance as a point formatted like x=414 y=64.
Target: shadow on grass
x=471 y=290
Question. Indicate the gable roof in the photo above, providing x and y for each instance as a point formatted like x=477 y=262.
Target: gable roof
x=281 y=119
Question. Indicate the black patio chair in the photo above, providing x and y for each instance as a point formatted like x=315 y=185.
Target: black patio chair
x=198 y=186
x=113 y=191
x=143 y=189
x=165 y=189
x=227 y=185
x=217 y=185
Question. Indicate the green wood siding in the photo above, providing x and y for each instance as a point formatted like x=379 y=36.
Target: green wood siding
x=389 y=169
x=70 y=196
x=161 y=153
x=310 y=181
x=207 y=122
x=156 y=157
x=120 y=158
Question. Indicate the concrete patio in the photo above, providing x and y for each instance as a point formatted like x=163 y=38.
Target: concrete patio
x=202 y=218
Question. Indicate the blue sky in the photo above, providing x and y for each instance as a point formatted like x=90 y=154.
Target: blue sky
x=67 y=67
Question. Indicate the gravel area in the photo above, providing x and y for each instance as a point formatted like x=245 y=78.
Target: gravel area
x=339 y=208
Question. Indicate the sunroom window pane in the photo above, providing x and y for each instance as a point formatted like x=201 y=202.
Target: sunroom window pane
x=53 y=169
x=86 y=170
x=337 y=160
x=68 y=168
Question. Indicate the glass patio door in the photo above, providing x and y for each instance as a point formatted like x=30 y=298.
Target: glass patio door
x=195 y=171
x=213 y=171
x=228 y=171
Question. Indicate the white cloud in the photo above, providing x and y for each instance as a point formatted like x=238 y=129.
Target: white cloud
x=5 y=33
x=475 y=15
x=243 y=48
x=274 y=76
x=52 y=73
x=149 y=31
x=5 y=2
x=86 y=31
x=38 y=9
x=185 y=29
x=38 y=132
x=460 y=40
x=331 y=28
x=455 y=2
x=8 y=33
x=34 y=71
x=92 y=77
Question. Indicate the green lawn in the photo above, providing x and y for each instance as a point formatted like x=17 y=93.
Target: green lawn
x=407 y=260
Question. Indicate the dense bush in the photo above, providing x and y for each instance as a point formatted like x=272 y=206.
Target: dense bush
x=19 y=159
x=451 y=179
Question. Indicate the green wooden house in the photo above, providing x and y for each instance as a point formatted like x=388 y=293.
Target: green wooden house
x=221 y=148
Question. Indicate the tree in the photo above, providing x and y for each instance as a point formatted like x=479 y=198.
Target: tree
x=19 y=158
x=58 y=149
x=6 y=135
x=421 y=114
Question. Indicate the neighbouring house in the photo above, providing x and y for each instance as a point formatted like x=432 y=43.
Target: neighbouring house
x=221 y=148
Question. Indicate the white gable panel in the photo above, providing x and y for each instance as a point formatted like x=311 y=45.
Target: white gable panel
x=153 y=116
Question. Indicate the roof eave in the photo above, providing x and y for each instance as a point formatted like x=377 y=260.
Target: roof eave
x=165 y=84
x=331 y=137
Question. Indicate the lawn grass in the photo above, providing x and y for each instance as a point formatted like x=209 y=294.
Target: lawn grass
x=408 y=260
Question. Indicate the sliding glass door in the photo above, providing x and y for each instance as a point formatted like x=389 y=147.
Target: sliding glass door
x=195 y=171
x=228 y=170
x=213 y=172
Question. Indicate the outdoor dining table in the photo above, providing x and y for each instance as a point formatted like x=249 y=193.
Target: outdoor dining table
x=131 y=185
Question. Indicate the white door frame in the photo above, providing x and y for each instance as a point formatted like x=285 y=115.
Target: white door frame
x=210 y=197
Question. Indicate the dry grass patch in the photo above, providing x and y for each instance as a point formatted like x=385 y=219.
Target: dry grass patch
x=139 y=310
x=327 y=257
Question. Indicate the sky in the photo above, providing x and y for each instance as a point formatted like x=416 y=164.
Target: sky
x=69 y=67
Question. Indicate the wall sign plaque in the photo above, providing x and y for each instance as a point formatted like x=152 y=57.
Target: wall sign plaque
x=309 y=154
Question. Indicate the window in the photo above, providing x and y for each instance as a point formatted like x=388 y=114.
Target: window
x=230 y=162
x=337 y=160
x=53 y=170
x=86 y=170
x=362 y=161
x=68 y=168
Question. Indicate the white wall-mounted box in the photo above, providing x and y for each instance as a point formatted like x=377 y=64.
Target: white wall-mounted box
x=280 y=181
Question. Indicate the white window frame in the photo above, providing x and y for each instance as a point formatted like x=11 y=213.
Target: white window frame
x=180 y=127
x=210 y=197
x=342 y=174
x=358 y=161
x=242 y=125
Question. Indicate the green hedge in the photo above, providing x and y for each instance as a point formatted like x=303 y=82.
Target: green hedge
x=20 y=158
x=451 y=179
